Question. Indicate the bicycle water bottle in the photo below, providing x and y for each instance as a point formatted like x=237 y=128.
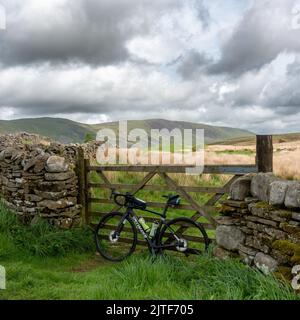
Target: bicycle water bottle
x=153 y=229
x=144 y=224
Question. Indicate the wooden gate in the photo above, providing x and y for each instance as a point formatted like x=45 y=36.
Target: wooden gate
x=205 y=212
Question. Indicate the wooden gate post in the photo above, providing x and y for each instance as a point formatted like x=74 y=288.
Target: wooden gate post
x=81 y=173
x=87 y=192
x=264 y=153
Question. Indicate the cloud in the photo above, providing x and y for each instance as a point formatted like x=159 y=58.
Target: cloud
x=106 y=60
x=48 y=90
x=264 y=32
x=193 y=65
x=172 y=34
x=275 y=86
x=86 y=31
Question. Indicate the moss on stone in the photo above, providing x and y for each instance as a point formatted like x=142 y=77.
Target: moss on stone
x=295 y=259
x=289 y=248
x=226 y=210
x=264 y=205
x=284 y=214
x=285 y=246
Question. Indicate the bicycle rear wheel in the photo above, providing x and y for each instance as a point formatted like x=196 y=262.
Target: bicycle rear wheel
x=183 y=236
x=115 y=241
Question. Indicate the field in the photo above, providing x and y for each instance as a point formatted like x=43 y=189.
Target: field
x=45 y=263
x=233 y=151
x=286 y=155
x=51 y=264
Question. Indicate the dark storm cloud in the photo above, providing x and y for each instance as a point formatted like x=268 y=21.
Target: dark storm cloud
x=264 y=32
x=87 y=31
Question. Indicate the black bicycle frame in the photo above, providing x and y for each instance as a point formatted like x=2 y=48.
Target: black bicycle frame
x=151 y=241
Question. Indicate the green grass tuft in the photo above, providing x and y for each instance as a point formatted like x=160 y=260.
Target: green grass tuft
x=42 y=239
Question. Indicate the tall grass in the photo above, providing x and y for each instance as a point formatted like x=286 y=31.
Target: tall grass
x=41 y=239
x=286 y=157
x=208 y=278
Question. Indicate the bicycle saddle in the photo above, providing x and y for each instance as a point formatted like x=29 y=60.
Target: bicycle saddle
x=173 y=200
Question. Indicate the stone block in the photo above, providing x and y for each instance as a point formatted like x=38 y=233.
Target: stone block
x=60 y=204
x=240 y=189
x=56 y=164
x=51 y=195
x=62 y=176
x=278 y=191
x=265 y=263
x=229 y=237
x=262 y=221
x=261 y=184
x=292 y=197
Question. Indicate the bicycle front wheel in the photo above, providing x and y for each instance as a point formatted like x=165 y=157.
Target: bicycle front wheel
x=115 y=240
x=183 y=236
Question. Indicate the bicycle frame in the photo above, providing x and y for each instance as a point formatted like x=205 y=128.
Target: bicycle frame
x=151 y=241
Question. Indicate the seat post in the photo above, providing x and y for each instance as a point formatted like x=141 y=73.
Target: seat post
x=165 y=209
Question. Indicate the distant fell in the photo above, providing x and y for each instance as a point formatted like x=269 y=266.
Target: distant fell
x=67 y=131
x=212 y=133
x=62 y=130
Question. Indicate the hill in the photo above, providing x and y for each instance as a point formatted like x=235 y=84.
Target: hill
x=212 y=133
x=61 y=130
x=250 y=140
x=67 y=131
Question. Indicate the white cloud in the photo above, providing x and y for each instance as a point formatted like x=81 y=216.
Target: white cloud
x=232 y=62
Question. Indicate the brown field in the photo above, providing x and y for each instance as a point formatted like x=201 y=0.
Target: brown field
x=238 y=151
x=286 y=156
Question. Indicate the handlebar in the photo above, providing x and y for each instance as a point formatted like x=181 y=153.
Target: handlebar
x=115 y=195
x=129 y=199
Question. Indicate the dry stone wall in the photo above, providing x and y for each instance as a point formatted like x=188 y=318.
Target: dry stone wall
x=37 y=178
x=260 y=223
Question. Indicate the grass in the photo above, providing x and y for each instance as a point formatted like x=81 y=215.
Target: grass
x=286 y=155
x=40 y=239
x=71 y=270
x=246 y=152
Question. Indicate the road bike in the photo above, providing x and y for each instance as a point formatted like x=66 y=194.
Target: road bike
x=116 y=235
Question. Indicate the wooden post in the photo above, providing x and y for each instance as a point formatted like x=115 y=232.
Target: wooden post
x=80 y=168
x=87 y=209
x=264 y=153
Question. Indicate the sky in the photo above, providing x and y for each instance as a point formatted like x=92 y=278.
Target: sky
x=222 y=62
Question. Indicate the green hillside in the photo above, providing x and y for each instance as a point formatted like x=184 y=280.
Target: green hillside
x=212 y=133
x=61 y=130
x=67 y=131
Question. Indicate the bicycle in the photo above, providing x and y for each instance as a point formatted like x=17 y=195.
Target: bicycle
x=116 y=235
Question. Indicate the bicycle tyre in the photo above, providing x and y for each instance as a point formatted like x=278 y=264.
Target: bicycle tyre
x=105 y=243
